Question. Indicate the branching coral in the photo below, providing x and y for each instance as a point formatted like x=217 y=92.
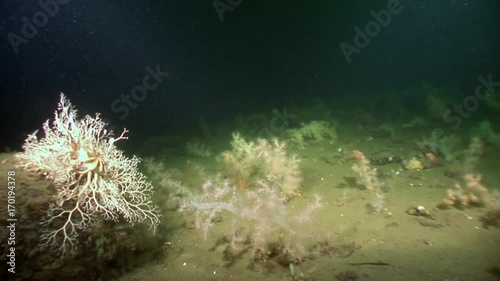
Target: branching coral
x=262 y=212
x=264 y=158
x=488 y=134
x=370 y=180
x=92 y=177
x=242 y=161
x=313 y=132
x=475 y=194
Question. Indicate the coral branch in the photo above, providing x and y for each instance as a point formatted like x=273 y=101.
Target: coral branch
x=92 y=177
x=263 y=211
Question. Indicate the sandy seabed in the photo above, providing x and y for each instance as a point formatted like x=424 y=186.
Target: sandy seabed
x=391 y=245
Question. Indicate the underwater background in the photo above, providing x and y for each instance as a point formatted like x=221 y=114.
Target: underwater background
x=285 y=140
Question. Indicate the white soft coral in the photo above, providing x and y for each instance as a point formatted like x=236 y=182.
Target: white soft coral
x=92 y=176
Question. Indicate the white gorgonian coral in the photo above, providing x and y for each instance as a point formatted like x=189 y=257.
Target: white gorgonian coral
x=92 y=177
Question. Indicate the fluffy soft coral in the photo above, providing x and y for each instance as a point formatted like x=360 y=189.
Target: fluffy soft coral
x=91 y=175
